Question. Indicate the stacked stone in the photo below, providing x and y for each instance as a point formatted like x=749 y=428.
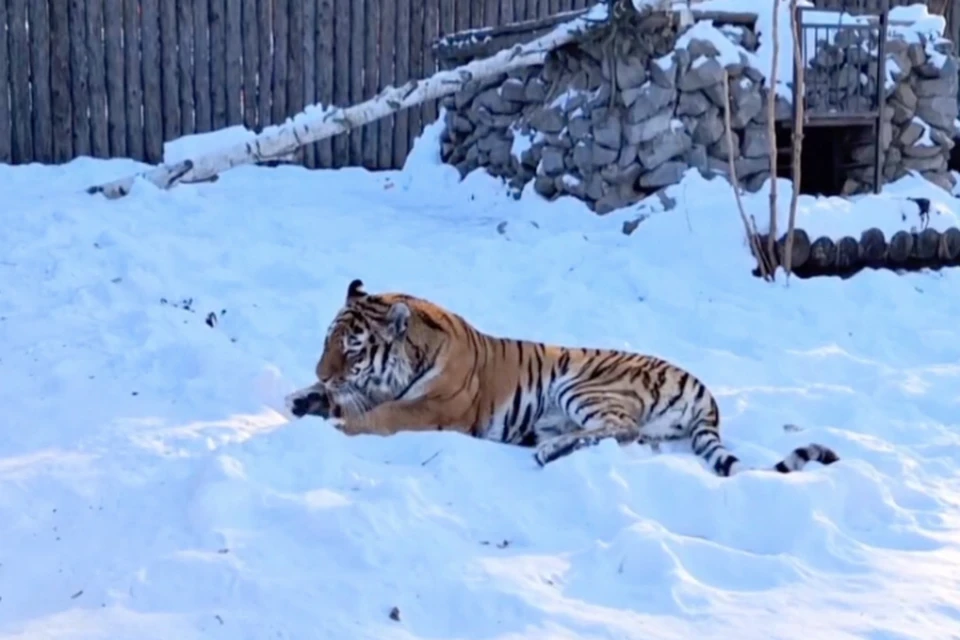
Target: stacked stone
x=919 y=107
x=610 y=129
x=611 y=123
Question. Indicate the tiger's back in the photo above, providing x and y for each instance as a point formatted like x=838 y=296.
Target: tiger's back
x=394 y=362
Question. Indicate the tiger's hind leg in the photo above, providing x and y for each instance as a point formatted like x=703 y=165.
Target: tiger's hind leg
x=617 y=425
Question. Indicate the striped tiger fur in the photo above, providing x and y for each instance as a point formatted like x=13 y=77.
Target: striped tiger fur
x=394 y=362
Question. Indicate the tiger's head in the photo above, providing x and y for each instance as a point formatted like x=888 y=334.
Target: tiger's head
x=366 y=359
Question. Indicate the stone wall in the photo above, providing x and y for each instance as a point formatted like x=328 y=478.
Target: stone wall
x=611 y=119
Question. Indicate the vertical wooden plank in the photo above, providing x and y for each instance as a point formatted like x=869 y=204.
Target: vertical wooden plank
x=79 y=78
x=281 y=18
x=478 y=9
x=448 y=16
x=341 y=76
x=218 y=64
x=388 y=39
x=417 y=16
x=506 y=11
x=358 y=25
x=491 y=13
x=201 y=66
x=295 y=57
x=32 y=128
x=310 y=70
x=60 y=81
x=371 y=84
x=169 y=84
x=134 y=91
x=251 y=62
x=6 y=145
x=431 y=31
x=152 y=95
x=462 y=13
x=234 y=38
x=185 y=63
x=401 y=129
x=324 y=65
x=265 y=73
x=99 y=142
x=113 y=47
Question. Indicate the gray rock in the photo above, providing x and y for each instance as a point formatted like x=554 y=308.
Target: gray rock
x=551 y=161
x=610 y=202
x=756 y=143
x=923 y=151
x=901 y=112
x=940 y=111
x=942 y=179
x=548 y=120
x=459 y=123
x=910 y=134
x=749 y=166
x=545 y=186
x=710 y=129
x=696 y=157
x=615 y=174
x=579 y=128
x=530 y=156
x=500 y=156
x=945 y=86
x=916 y=53
x=703 y=73
x=595 y=187
x=568 y=183
x=631 y=72
x=587 y=155
x=557 y=140
x=935 y=163
x=514 y=90
x=747 y=102
x=755 y=75
x=669 y=144
x=716 y=95
x=699 y=48
x=492 y=141
x=664 y=74
x=755 y=182
x=609 y=133
x=666 y=174
x=692 y=103
x=719 y=149
x=535 y=90
x=648 y=129
x=628 y=154
x=650 y=101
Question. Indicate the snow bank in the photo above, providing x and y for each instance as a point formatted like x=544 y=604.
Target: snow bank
x=150 y=488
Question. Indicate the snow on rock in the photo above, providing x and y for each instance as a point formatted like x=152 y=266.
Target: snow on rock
x=150 y=486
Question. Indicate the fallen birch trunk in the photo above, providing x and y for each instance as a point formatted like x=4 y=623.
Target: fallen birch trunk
x=307 y=127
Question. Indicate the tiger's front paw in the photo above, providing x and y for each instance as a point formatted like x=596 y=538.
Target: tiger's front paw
x=308 y=401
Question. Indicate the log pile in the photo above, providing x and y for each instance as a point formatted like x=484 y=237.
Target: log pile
x=844 y=257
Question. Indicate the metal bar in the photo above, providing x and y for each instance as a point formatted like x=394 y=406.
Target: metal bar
x=881 y=91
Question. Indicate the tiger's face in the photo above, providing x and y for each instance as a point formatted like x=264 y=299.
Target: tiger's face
x=364 y=359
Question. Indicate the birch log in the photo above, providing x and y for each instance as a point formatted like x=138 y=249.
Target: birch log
x=316 y=124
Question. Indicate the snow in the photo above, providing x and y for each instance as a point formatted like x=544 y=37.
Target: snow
x=150 y=486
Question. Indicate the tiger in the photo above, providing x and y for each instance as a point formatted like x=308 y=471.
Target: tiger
x=394 y=362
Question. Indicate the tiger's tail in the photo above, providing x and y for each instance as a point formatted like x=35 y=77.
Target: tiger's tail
x=707 y=444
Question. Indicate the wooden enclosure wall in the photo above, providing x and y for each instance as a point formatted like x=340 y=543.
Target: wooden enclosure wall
x=118 y=78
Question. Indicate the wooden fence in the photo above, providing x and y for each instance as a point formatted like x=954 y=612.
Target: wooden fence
x=117 y=78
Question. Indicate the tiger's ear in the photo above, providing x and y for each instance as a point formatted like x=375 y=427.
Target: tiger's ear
x=355 y=290
x=398 y=320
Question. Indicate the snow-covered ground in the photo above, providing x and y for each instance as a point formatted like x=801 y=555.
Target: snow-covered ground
x=151 y=488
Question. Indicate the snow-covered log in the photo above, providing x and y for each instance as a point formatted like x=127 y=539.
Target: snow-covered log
x=314 y=124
